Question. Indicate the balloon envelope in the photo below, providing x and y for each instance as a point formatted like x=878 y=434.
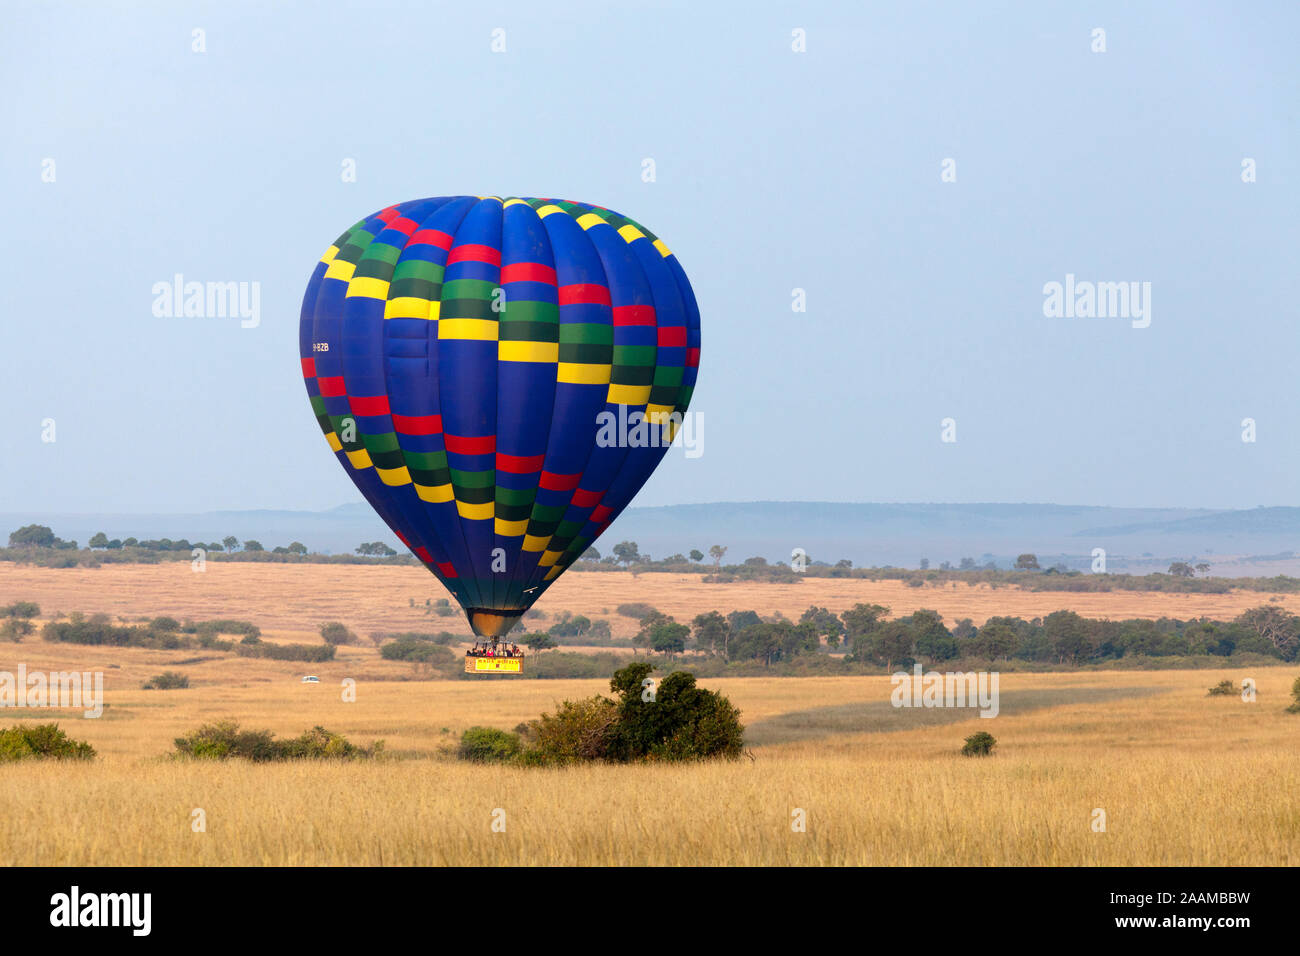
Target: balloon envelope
x=499 y=377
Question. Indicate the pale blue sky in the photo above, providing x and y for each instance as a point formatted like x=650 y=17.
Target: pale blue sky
x=775 y=170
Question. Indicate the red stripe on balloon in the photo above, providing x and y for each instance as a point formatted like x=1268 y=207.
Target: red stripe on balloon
x=584 y=293
x=634 y=315
x=582 y=498
x=418 y=424
x=692 y=358
x=471 y=444
x=447 y=570
x=309 y=368
x=519 y=464
x=471 y=252
x=672 y=335
x=331 y=386
x=369 y=404
x=431 y=237
x=553 y=482
x=527 y=272
x=601 y=513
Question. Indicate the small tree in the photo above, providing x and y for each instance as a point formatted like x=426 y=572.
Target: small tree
x=627 y=552
x=1295 y=693
x=539 y=641
x=825 y=624
x=44 y=741
x=711 y=632
x=680 y=721
x=696 y=555
x=668 y=637
x=1027 y=562
x=488 y=745
x=979 y=744
x=32 y=536
x=167 y=680
x=15 y=629
x=1276 y=625
x=230 y=542
x=716 y=552
x=335 y=632
x=253 y=545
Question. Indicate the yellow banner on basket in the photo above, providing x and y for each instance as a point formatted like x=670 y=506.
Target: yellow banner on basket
x=494 y=665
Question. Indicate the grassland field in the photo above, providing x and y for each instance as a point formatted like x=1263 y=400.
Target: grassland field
x=1183 y=778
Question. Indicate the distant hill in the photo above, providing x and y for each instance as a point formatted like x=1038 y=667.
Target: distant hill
x=1136 y=539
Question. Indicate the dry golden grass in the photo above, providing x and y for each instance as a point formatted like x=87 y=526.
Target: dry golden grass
x=1184 y=778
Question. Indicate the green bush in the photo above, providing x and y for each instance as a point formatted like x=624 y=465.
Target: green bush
x=15 y=629
x=25 y=609
x=488 y=745
x=636 y=609
x=680 y=721
x=223 y=626
x=979 y=745
x=320 y=744
x=167 y=680
x=335 y=632
x=42 y=742
x=1295 y=693
x=224 y=740
x=1223 y=688
x=412 y=648
x=577 y=731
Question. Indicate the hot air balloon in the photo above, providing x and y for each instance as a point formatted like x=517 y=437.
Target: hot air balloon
x=499 y=377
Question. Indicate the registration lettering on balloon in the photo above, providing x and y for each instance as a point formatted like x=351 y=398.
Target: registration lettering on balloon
x=460 y=353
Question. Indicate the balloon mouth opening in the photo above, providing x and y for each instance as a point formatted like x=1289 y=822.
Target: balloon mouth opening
x=492 y=623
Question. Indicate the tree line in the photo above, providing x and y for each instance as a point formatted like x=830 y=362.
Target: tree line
x=866 y=634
